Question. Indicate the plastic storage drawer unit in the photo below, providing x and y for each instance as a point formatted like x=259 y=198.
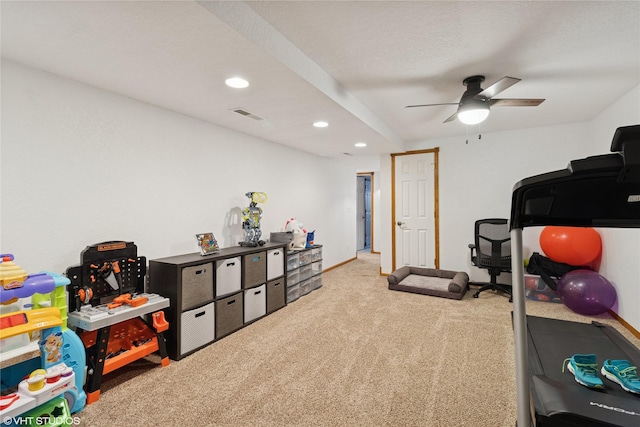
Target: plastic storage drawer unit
x=228 y=315
x=293 y=261
x=316 y=282
x=306 y=287
x=228 y=276
x=316 y=268
x=293 y=293
x=293 y=277
x=197 y=285
x=305 y=257
x=316 y=254
x=305 y=272
x=537 y=290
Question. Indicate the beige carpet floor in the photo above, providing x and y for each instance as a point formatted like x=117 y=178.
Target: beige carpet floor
x=351 y=353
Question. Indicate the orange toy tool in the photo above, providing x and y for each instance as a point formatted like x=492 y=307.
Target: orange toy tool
x=126 y=299
x=135 y=302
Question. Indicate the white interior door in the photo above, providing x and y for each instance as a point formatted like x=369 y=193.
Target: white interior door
x=360 y=214
x=415 y=235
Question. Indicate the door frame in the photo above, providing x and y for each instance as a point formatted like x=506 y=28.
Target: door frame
x=436 y=205
x=370 y=175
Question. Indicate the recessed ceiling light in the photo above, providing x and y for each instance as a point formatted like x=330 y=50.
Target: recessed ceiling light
x=360 y=144
x=321 y=124
x=237 y=82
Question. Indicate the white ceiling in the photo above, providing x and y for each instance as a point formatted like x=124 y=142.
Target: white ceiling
x=355 y=64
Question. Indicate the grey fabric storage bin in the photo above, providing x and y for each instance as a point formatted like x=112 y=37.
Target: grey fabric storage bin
x=197 y=328
x=276 y=294
x=229 y=315
x=197 y=285
x=254 y=269
x=255 y=303
x=228 y=276
x=275 y=263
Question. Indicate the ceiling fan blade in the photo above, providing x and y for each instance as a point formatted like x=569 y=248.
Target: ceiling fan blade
x=515 y=102
x=497 y=87
x=451 y=118
x=431 y=105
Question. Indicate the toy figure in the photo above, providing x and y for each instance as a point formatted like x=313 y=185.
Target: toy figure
x=251 y=219
x=52 y=347
x=299 y=233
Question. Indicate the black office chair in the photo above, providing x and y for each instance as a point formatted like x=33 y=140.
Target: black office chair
x=492 y=251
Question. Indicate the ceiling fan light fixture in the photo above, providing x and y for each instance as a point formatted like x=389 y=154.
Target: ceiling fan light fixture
x=472 y=113
x=473 y=117
x=473 y=107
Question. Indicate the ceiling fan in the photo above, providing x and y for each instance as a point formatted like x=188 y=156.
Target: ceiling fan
x=475 y=103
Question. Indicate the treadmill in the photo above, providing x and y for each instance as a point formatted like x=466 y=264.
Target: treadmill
x=597 y=191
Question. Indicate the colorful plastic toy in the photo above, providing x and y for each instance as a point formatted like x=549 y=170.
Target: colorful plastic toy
x=34 y=322
x=299 y=233
x=54 y=413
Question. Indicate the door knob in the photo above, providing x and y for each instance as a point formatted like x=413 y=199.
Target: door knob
x=400 y=223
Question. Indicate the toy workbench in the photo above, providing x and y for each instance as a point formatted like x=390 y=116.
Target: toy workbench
x=109 y=310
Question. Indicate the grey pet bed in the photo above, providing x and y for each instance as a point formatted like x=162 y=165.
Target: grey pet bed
x=429 y=281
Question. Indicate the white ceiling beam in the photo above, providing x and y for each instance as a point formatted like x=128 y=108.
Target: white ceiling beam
x=239 y=16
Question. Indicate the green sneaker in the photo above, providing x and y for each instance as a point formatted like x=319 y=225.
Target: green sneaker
x=585 y=370
x=623 y=373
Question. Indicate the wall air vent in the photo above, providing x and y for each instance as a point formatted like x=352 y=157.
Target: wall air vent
x=246 y=113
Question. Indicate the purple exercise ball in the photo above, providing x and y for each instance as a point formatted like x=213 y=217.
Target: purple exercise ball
x=586 y=292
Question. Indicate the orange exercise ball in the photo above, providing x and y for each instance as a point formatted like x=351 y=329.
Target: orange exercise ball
x=576 y=246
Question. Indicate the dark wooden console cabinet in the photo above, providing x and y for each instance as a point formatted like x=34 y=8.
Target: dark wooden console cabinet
x=215 y=295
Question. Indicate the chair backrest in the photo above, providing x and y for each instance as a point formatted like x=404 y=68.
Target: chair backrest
x=493 y=244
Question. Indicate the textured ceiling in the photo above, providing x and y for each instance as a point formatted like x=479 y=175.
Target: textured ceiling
x=355 y=64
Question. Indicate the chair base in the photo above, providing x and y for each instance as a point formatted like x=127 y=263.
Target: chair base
x=493 y=286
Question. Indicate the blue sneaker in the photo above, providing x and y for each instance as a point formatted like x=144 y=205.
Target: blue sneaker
x=623 y=373
x=585 y=370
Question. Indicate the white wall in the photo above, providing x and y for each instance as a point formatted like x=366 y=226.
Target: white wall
x=366 y=164
x=82 y=166
x=620 y=247
x=476 y=181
